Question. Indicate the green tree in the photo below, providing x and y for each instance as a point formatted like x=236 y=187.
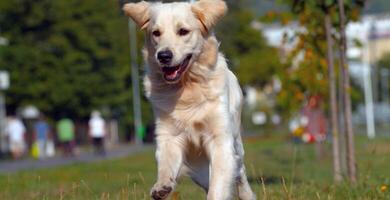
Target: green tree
x=247 y=52
x=66 y=56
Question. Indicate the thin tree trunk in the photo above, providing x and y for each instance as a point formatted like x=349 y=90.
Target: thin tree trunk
x=333 y=102
x=351 y=163
x=342 y=134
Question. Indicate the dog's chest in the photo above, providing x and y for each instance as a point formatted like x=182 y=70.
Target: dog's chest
x=195 y=109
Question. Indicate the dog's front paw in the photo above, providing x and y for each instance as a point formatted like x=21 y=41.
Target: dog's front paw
x=160 y=192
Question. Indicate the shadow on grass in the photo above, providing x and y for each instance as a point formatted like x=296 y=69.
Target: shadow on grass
x=270 y=180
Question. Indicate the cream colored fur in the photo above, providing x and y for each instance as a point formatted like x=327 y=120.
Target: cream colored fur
x=198 y=116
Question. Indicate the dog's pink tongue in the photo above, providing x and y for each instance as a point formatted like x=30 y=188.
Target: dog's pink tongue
x=171 y=74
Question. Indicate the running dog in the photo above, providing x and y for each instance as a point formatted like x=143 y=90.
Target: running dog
x=196 y=98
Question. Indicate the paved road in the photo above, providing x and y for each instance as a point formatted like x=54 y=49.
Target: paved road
x=85 y=157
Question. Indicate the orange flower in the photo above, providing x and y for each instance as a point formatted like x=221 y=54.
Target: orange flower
x=384 y=188
x=309 y=54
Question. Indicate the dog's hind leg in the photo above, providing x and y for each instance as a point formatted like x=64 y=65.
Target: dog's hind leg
x=169 y=155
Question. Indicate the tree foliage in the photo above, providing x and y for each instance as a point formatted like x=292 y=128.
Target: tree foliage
x=305 y=69
x=66 y=56
x=246 y=49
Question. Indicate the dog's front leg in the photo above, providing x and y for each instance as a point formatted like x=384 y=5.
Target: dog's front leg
x=222 y=167
x=169 y=158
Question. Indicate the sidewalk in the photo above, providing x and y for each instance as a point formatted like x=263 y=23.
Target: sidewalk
x=10 y=166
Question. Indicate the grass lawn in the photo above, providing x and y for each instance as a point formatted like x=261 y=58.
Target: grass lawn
x=274 y=158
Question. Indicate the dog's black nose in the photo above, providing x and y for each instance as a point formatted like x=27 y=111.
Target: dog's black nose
x=165 y=57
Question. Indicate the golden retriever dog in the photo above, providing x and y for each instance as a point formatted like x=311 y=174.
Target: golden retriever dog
x=196 y=99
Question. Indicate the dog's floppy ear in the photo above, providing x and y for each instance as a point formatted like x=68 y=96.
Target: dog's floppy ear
x=139 y=12
x=209 y=12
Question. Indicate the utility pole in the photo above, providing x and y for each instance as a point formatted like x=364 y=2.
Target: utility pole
x=368 y=90
x=138 y=128
x=372 y=56
x=351 y=162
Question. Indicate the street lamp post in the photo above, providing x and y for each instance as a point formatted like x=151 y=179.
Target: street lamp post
x=4 y=84
x=138 y=128
x=369 y=90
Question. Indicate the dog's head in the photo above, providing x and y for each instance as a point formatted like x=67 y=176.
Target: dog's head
x=175 y=32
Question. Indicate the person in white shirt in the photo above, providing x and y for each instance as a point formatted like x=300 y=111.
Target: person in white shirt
x=16 y=131
x=97 y=131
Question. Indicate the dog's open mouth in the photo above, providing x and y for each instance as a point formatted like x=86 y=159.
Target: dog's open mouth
x=173 y=73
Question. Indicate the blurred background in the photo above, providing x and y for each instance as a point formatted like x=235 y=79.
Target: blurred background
x=69 y=67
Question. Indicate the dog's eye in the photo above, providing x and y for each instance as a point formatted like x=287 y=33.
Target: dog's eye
x=156 y=33
x=183 y=32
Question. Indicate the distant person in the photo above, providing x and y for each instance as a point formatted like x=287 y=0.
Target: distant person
x=42 y=131
x=96 y=130
x=16 y=131
x=65 y=131
x=316 y=123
